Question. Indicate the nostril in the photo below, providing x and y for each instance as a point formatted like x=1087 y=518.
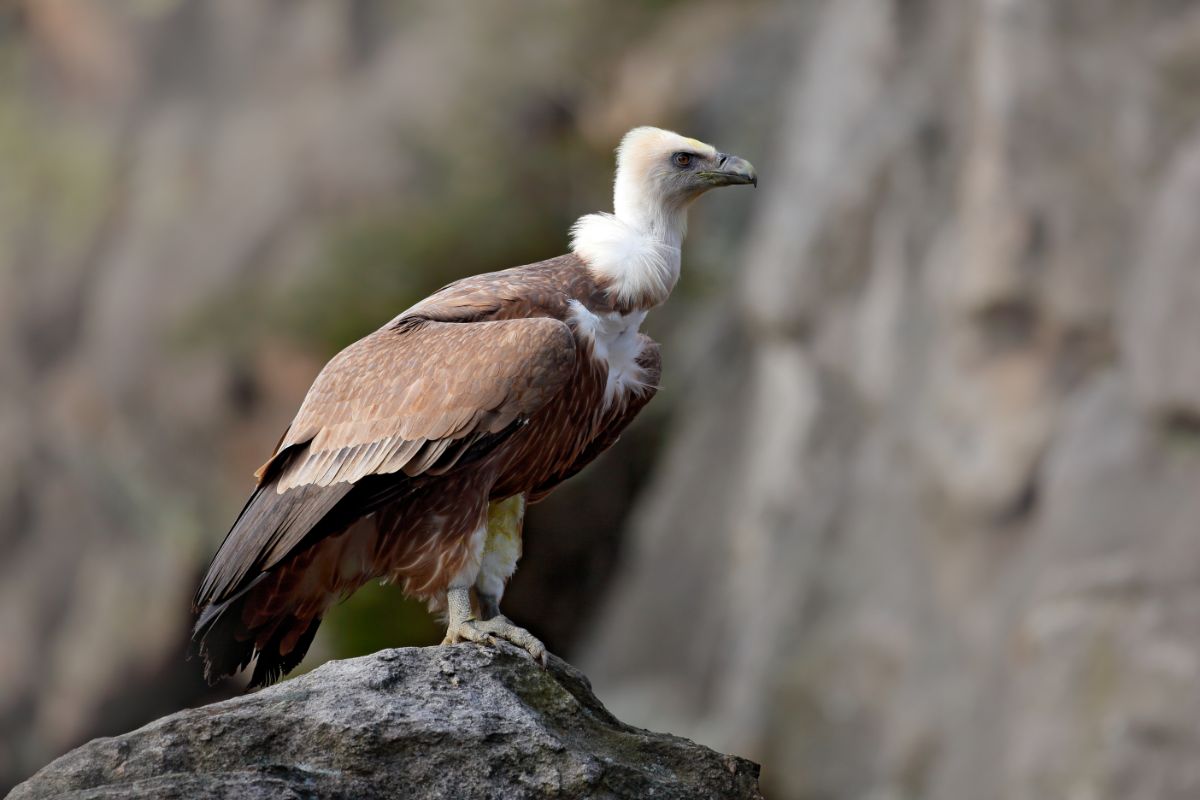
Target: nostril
x=721 y=159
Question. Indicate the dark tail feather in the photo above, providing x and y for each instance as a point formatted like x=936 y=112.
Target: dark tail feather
x=307 y=515
x=227 y=646
x=272 y=664
x=222 y=640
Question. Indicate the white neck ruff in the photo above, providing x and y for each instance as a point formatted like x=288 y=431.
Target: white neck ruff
x=636 y=263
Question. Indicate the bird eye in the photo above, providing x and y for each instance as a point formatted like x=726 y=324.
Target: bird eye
x=682 y=159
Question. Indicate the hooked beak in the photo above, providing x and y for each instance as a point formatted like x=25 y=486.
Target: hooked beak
x=731 y=171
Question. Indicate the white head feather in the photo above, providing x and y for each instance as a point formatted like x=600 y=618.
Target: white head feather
x=636 y=248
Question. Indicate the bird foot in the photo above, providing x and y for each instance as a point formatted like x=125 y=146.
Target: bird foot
x=463 y=627
x=498 y=627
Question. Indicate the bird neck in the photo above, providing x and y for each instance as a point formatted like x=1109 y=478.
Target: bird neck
x=655 y=218
x=635 y=251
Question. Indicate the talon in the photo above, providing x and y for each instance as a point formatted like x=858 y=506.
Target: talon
x=499 y=627
x=463 y=627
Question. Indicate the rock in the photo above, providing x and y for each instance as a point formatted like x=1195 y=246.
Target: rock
x=461 y=722
x=1160 y=317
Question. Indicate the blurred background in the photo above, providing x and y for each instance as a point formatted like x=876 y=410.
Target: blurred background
x=917 y=511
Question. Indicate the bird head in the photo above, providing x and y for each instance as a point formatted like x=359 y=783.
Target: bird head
x=660 y=173
x=636 y=249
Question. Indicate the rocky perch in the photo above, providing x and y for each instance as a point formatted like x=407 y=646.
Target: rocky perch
x=445 y=722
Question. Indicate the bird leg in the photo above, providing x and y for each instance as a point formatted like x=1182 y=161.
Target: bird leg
x=464 y=627
x=489 y=604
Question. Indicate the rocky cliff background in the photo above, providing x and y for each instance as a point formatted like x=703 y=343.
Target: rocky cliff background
x=917 y=513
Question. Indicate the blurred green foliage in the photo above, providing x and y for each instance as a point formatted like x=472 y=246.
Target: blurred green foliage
x=376 y=617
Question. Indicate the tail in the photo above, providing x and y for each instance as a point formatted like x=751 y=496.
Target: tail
x=272 y=619
x=275 y=574
x=249 y=606
x=286 y=559
x=227 y=643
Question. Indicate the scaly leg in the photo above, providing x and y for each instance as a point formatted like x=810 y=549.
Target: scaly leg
x=463 y=627
x=501 y=549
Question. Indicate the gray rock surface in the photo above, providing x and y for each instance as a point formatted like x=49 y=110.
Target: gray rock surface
x=445 y=722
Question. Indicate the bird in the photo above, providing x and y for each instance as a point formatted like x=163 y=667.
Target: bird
x=417 y=449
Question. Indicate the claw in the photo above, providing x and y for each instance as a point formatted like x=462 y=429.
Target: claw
x=468 y=631
x=465 y=628
x=499 y=627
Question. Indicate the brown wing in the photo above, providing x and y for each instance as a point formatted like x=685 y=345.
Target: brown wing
x=400 y=398
x=411 y=396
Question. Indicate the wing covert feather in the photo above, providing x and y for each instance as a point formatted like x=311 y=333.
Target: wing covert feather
x=400 y=397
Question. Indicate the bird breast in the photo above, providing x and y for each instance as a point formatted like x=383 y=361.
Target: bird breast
x=615 y=342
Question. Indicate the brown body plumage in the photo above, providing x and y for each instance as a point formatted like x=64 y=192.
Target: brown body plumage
x=498 y=386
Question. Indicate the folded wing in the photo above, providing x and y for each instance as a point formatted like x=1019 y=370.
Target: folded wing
x=413 y=397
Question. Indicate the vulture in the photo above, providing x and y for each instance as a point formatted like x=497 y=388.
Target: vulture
x=417 y=449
